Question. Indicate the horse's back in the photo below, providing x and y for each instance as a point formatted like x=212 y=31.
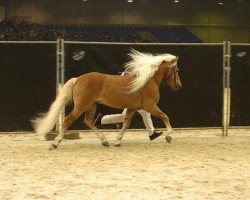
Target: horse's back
x=98 y=80
x=111 y=90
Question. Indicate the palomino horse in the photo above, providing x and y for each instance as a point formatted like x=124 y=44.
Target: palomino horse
x=137 y=90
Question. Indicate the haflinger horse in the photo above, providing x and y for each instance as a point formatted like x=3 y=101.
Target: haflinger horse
x=139 y=89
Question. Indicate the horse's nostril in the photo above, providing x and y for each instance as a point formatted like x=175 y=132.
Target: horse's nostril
x=178 y=86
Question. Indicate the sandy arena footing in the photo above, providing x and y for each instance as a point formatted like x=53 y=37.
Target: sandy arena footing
x=198 y=164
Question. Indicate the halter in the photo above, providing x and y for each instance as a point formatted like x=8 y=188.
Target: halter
x=175 y=70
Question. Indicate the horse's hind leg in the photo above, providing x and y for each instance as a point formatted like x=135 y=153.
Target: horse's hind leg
x=154 y=110
x=69 y=119
x=89 y=121
x=129 y=115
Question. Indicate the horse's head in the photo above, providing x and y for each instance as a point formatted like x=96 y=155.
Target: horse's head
x=171 y=75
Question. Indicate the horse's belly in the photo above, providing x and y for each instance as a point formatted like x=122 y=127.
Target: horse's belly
x=118 y=102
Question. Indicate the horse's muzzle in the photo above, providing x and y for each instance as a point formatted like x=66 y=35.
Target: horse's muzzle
x=177 y=86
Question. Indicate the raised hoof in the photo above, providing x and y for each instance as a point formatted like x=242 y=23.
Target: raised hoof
x=52 y=147
x=105 y=143
x=168 y=139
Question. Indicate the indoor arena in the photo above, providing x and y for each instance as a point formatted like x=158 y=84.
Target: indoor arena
x=172 y=75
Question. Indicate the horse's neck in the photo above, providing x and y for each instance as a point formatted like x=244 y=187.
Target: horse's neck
x=159 y=74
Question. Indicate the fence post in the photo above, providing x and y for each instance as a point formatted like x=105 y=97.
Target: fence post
x=226 y=87
x=60 y=77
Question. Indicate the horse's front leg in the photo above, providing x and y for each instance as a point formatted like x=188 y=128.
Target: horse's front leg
x=89 y=121
x=129 y=115
x=155 y=111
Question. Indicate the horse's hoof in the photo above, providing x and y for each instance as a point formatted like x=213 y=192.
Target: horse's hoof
x=168 y=139
x=105 y=143
x=118 y=145
x=52 y=147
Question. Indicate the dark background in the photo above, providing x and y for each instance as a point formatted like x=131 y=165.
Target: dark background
x=197 y=104
x=27 y=83
x=240 y=86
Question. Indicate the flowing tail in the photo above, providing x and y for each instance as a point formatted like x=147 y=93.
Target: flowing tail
x=46 y=122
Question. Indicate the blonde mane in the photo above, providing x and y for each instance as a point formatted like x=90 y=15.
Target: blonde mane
x=144 y=66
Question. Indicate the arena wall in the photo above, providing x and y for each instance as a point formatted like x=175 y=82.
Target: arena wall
x=29 y=73
x=27 y=83
x=210 y=21
x=197 y=104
